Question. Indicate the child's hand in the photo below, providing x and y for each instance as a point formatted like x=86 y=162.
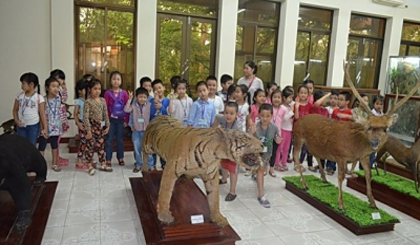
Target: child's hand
x=297 y=104
x=125 y=124
x=44 y=133
x=89 y=135
x=130 y=95
x=81 y=127
x=158 y=104
x=20 y=124
x=105 y=132
x=172 y=94
x=278 y=139
x=341 y=115
x=253 y=128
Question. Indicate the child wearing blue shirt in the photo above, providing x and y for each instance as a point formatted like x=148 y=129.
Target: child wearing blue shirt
x=203 y=112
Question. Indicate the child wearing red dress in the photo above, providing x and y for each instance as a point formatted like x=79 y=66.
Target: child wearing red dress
x=302 y=107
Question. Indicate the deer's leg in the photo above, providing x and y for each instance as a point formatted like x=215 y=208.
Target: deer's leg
x=165 y=193
x=368 y=177
x=416 y=175
x=342 y=168
x=321 y=170
x=297 y=146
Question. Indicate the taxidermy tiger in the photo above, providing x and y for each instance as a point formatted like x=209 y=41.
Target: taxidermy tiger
x=195 y=151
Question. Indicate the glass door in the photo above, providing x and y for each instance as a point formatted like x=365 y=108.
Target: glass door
x=186 y=47
x=105 y=43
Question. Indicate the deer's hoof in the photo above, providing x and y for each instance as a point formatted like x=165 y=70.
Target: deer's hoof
x=306 y=189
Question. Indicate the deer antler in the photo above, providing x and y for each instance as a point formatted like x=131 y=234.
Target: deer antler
x=401 y=102
x=353 y=88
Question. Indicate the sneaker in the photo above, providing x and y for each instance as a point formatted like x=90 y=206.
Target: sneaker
x=248 y=172
x=264 y=202
x=136 y=169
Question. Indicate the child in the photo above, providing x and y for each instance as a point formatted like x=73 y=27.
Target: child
x=277 y=120
x=267 y=132
x=116 y=98
x=258 y=100
x=146 y=82
x=180 y=107
x=226 y=80
x=29 y=109
x=229 y=121
x=342 y=113
x=302 y=107
x=60 y=76
x=358 y=108
x=174 y=80
x=202 y=112
x=141 y=116
x=333 y=102
x=54 y=124
x=286 y=129
x=241 y=96
x=96 y=123
x=231 y=93
x=158 y=106
x=271 y=86
x=218 y=101
x=79 y=105
x=378 y=105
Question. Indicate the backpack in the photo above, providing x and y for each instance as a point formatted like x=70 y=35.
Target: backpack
x=118 y=108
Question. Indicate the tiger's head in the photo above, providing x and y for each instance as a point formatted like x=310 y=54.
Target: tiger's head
x=243 y=148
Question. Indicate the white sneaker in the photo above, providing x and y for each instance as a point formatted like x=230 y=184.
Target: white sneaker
x=248 y=172
x=264 y=202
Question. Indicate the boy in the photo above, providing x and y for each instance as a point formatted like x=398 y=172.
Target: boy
x=203 y=112
x=342 y=113
x=333 y=102
x=266 y=132
x=140 y=111
x=146 y=82
x=226 y=80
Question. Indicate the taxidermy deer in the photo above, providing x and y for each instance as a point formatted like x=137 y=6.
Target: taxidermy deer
x=408 y=157
x=345 y=142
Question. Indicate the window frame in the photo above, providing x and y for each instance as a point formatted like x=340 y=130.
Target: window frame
x=409 y=43
x=105 y=6
x=362 y=38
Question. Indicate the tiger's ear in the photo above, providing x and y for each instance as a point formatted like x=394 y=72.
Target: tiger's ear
x=221 y=133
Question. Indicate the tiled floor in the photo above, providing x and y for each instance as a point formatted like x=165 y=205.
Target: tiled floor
x=100 y=209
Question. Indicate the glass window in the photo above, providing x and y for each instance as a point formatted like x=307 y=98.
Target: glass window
x=256 y=37
x=410 y=39
x=312 y=45
x=364 y=50
x=204 y=8
x=367 y=26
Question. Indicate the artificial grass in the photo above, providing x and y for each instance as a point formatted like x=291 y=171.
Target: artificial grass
x=393 y=182
x=355 y=209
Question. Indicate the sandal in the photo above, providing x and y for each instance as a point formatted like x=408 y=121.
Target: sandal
x=108 y=166
x=56 y=168
x=285 y=168
x=278 y=168
x=312 y=169
x=272 y=174
x=121 y=162
x=136 y=170
x=221 y=182
x=330 y=172
x=230 y=197
x=91 y=171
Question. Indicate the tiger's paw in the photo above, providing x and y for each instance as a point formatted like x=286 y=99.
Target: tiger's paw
x=219 y=220
x=166 y=217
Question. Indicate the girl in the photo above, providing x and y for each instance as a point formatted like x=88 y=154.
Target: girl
x=229 y=120
x=60 y=76
x=79 y=105
x=378 y=105
x=231 y=93
x=302 y=107
x=29 y=109
x=180 y=108
x=241 y=97
x=310 y=85
x=54 y=125
x=96 y=123
x=217 y=100
x=286 y=129
x=253 y=117
x=278 y=115
x=116 y=98
x=250 y=79
x=271 y=86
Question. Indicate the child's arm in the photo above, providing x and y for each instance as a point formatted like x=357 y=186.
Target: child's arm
x=15 y=114
x=164 y=108
x=216 y=123
x=86 y=122
x=63 y=92
x=76 y=117
x=125 y=100
x=43 y=119
x=319 y=101
x=107 y=123
x=108 y=100
x=171 y=102
x=343 y=115
x=128 y=108
x=278 y=137
x=297 y=104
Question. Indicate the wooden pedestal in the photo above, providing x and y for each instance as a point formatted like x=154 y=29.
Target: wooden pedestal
x=42 y=199
x=187 y=200
x=337 y=217
x=392 y=168
x=400 y=201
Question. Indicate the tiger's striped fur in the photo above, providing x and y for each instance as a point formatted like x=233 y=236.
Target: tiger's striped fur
x=194 y=151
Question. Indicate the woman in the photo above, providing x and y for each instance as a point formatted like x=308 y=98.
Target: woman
x=250 y=79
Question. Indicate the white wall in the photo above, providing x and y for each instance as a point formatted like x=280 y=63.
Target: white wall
x=24 y=47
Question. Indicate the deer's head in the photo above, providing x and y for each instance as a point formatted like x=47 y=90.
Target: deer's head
x=376 y=127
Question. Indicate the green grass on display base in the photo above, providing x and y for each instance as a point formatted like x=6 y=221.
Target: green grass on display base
x=394 y=182
x=355 y=209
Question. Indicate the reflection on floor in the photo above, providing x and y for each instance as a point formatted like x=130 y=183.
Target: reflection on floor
x=100 y=209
